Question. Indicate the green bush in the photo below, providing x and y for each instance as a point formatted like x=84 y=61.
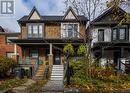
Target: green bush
x=79 y=68
x=5 y=65
x=81 y=50
x=69 y=48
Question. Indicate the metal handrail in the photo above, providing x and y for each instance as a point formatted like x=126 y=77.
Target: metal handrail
x=65 y=69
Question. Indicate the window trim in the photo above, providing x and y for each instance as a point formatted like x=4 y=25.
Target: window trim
x=35 y=24
x=10 y=43
x=102 y=30
x=12 y=53
x=118 y=34
x=30 y=51
x=68 y=24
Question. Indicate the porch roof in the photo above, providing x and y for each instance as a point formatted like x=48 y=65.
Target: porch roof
x=108 y=45
x=46 y=41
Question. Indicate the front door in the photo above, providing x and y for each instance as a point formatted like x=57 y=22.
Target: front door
x=57 y=58
x=116 y=59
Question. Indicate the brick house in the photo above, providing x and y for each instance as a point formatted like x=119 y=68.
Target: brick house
x=43 y=37
x=111 y=41
x=6 y=46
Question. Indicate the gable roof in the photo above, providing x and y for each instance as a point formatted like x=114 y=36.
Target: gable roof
x=68 y=11
x=32 y=12
x=106 y=13
x=1 y=29
x=53 y=18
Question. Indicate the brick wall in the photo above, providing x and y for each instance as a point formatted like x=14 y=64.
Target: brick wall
x=4 y=47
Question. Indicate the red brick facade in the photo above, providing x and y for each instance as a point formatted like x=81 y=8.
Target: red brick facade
x=6 y=47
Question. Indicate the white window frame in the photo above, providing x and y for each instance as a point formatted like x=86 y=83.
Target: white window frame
x=10 y=37
x=11 y=54
x=35 y=24
x=62 y=29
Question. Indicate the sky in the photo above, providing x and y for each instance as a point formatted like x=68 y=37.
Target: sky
x=23 y=7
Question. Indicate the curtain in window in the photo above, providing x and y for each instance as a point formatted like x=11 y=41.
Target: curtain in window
x=69 y=30
x=114 y=34
x=101 y=35
x=122 y=33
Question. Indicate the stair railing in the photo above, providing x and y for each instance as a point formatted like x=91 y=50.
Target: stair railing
x=46 y=72
x=65 y=70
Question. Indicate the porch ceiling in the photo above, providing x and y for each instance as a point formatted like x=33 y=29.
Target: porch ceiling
x=46 y=41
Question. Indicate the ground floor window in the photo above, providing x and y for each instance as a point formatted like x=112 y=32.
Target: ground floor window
x=9 y=54
x=34 y=53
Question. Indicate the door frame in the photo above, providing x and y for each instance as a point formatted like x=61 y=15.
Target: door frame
x=59 y=56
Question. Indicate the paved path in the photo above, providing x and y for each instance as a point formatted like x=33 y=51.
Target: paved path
x=55 y=84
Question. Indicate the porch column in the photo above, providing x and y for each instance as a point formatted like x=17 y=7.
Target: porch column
x=122 y=52
x=103 y=59
x=121 y=60
x=15 y=49
x=102 y=52
x=15 y=52
x=50 y=56
x=51 y=49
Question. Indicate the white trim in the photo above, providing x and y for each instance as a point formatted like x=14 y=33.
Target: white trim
x=34 y=16
x=32 y=24
x=67 y=24
x=15 y=49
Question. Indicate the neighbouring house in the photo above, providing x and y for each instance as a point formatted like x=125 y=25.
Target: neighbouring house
x=111 y=40
x=6 y=46
x=43 y=37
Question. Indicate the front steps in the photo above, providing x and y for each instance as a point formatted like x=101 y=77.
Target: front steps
x=55 y=84
x=57 y=72
x=40 y=72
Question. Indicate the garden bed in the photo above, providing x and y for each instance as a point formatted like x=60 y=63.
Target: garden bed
x=98 y=79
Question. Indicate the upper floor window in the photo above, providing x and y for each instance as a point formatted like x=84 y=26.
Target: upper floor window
x=114 y=36
x=35 y=31
x=101 y=35
x=70 y=30
x=122 y=33
x=119 y=34
x=8 y=39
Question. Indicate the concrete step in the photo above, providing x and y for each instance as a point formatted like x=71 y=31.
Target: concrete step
x=57 y=71
x=57 y=74
x=57 y=67
x=53 y=78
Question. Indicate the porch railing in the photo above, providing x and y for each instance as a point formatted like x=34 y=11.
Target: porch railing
x=29 y=63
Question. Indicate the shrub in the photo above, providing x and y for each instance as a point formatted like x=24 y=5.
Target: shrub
x=81 y=50
x=5 y=65
x=69 y=48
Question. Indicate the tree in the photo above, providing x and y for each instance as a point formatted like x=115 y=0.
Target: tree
x=5 y=65
x=86 y=7
x=121 y=18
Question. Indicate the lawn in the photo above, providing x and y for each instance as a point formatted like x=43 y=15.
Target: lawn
x=11 y=83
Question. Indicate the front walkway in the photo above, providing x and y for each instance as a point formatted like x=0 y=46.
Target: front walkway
x=55 y=84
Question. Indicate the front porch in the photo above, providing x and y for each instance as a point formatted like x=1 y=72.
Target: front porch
x=40 y=53
x=115 y=54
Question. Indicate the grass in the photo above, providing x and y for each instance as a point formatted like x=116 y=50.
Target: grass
x=100 y=79
x=11 y=83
